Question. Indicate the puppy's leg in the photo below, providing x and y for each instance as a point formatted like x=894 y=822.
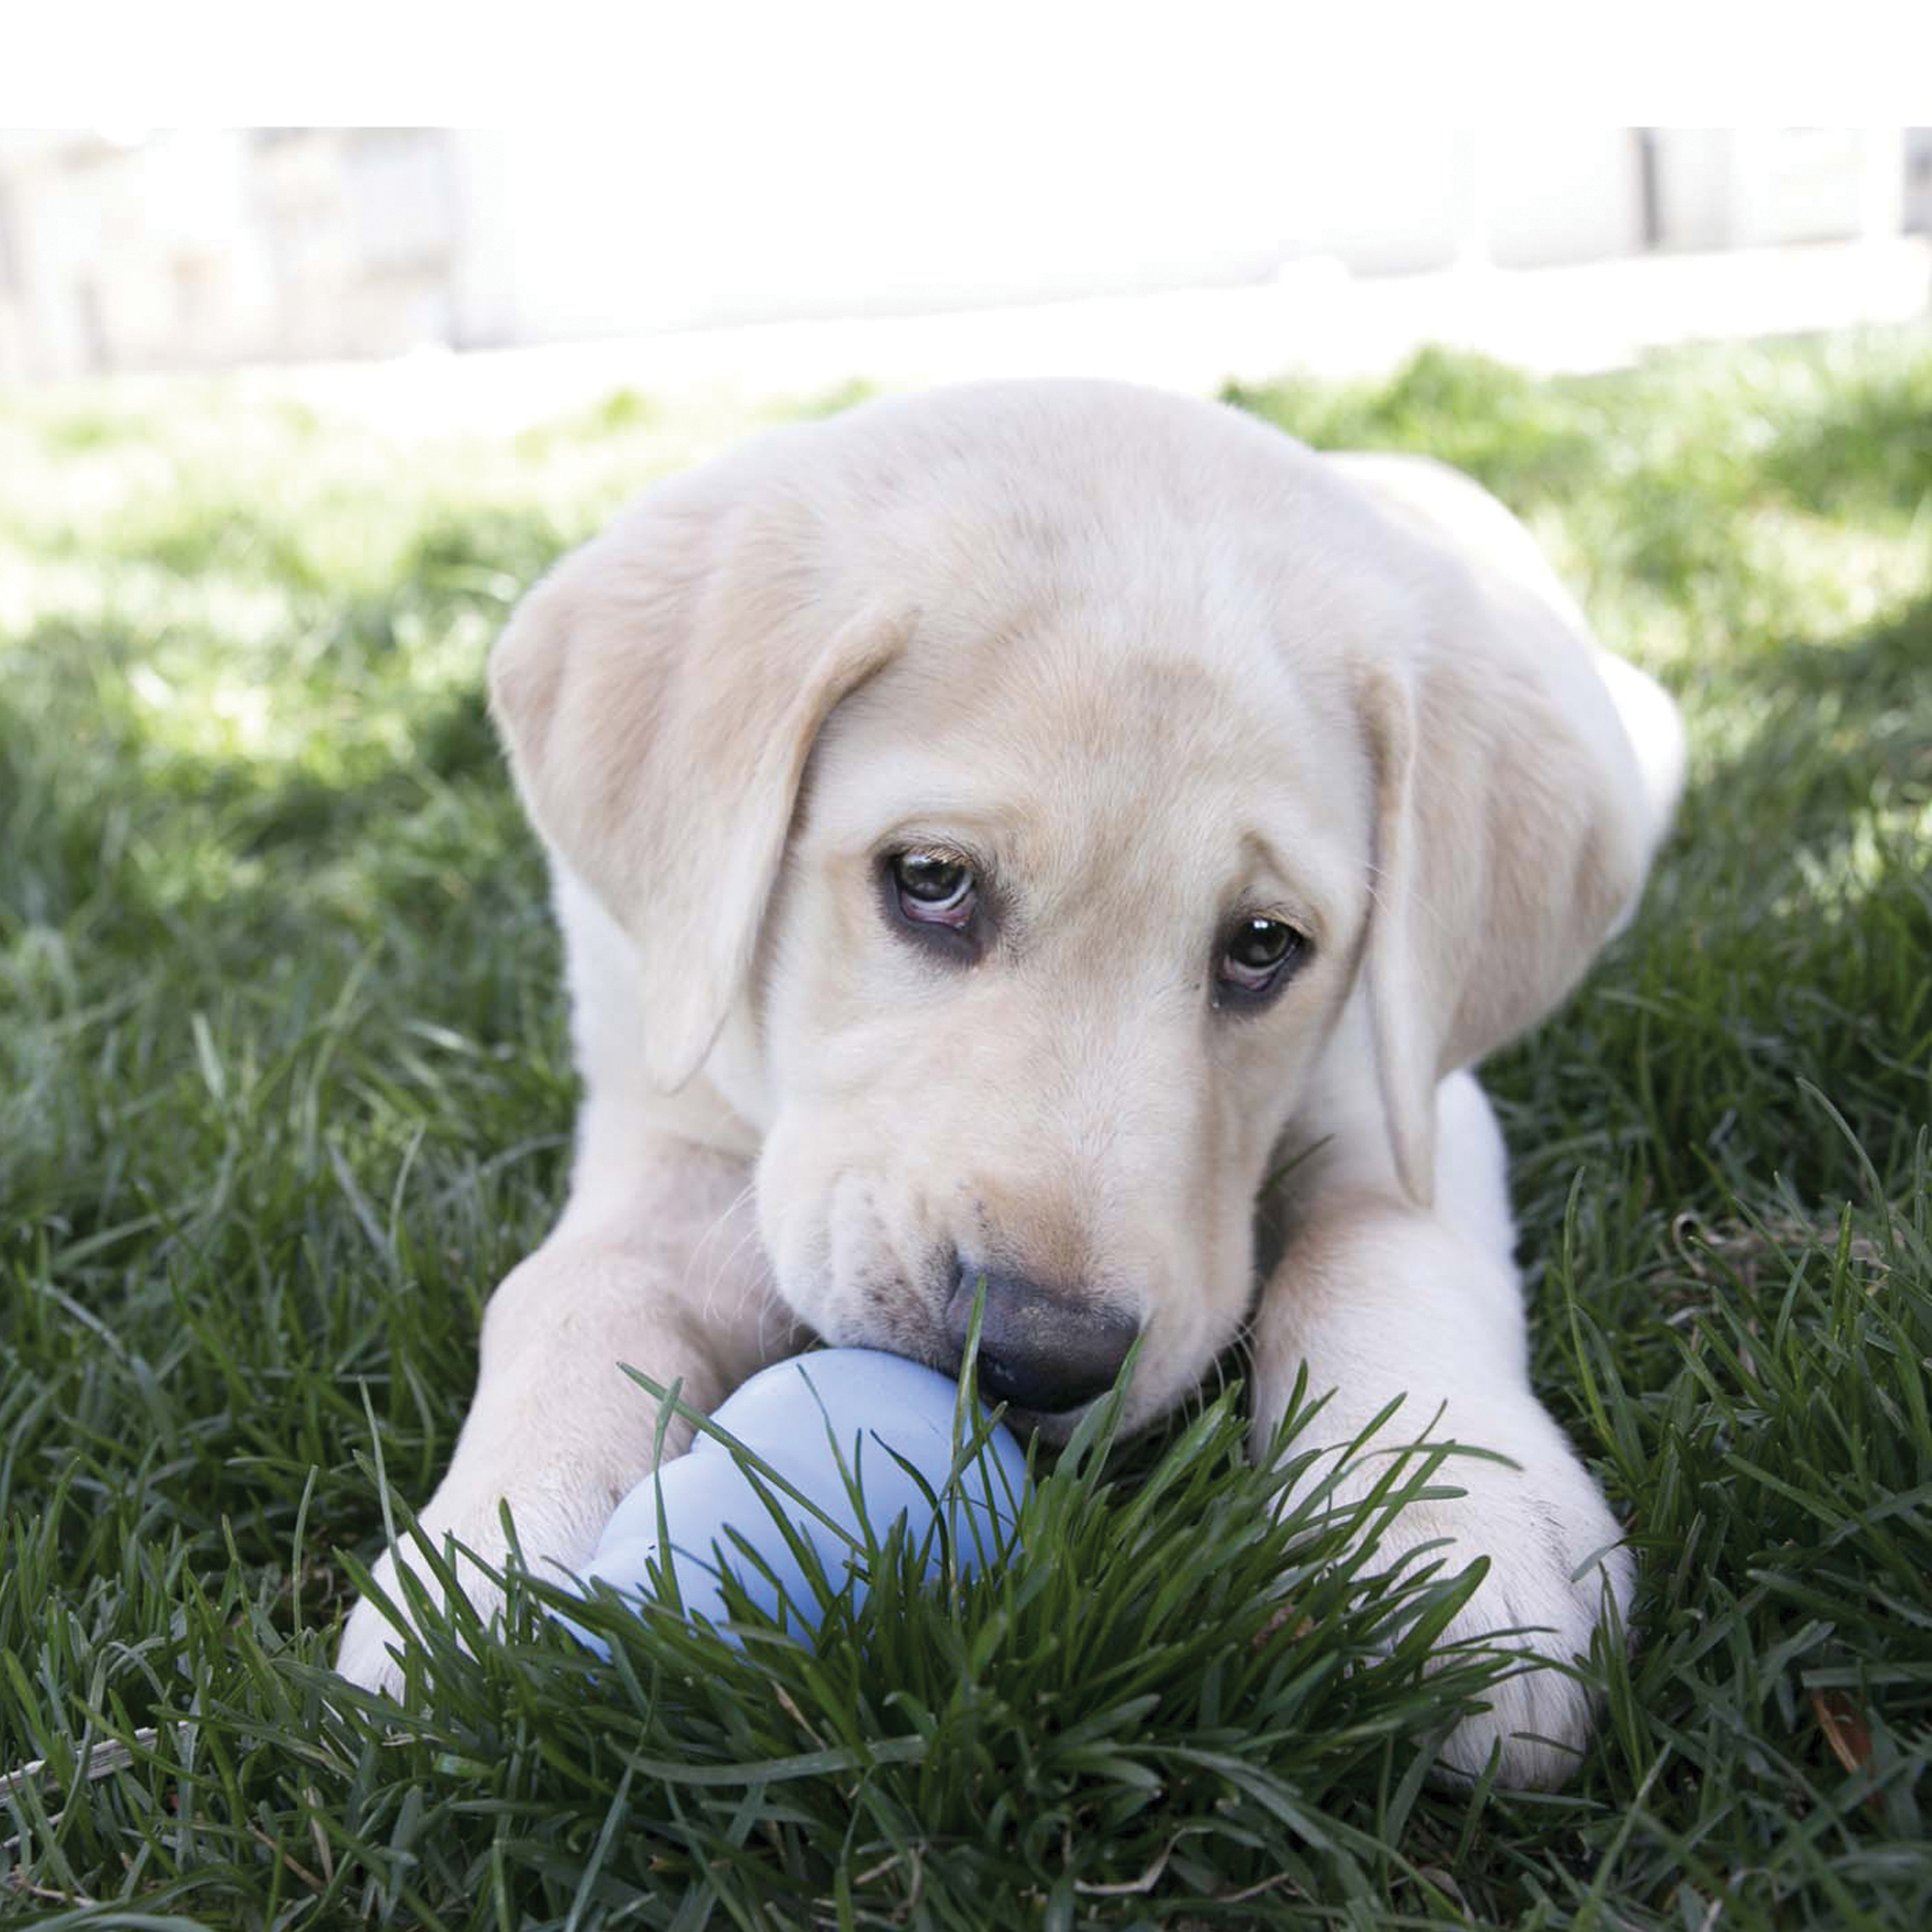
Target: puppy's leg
x=1381 y=1299
x=672 y=1285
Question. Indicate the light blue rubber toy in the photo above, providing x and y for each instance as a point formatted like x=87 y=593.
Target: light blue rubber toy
x=803 y=1417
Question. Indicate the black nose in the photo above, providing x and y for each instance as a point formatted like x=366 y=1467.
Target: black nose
x=1039 y=1351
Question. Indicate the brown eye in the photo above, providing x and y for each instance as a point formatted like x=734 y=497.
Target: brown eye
x=1258 y=955
x=933 y=889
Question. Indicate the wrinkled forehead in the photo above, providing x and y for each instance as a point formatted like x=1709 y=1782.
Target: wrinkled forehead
x=1079 y=750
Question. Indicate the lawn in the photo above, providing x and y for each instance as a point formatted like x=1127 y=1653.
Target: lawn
x=284 y=1090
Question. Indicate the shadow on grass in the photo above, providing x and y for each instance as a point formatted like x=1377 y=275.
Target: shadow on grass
x=1872 y=447
x=1786 y=936
x=98 y=794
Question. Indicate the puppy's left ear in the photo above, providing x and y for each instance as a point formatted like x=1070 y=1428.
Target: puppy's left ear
x=1513 y=835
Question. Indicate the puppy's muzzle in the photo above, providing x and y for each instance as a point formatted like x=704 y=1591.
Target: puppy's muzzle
x=1039 y=1351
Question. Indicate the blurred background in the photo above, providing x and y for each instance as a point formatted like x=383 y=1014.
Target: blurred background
x=501 y=276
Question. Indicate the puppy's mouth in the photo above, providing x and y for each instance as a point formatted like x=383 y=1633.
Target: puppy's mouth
x=1044 y=1350
x=995 y=1389
x=1030 y=1397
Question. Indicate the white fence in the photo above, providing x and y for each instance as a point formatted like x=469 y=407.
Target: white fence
x=195 y=250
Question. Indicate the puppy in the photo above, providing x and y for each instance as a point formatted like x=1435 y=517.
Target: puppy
x=992 y=832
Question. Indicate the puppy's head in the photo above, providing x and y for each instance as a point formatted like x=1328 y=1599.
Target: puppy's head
x=1079 y=797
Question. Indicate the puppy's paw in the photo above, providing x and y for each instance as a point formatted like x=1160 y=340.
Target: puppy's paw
x=370 y=1640
x=373 y=1637
x=1554 y=1551
x=557 y=1527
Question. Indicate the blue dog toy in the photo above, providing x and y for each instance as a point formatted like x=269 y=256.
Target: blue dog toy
x=873 y=1414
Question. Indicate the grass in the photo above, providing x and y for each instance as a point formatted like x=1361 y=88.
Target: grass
x=284 y=1090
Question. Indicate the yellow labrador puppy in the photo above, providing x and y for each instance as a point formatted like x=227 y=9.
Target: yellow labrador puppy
x=992 y=832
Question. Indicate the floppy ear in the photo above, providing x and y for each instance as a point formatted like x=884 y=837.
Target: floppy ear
x=659 y=693
x=1512 y=835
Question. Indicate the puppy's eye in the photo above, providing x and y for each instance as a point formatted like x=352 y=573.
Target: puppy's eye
x=933 y=889
x=1258 y=955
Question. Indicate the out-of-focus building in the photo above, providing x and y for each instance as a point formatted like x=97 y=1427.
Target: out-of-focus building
x=198 y=249
x=174 y=249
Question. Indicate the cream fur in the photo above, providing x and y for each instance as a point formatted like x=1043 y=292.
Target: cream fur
x=1144 y=658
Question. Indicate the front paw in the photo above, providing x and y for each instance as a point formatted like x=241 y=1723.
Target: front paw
x=383 y=1623
x=1554 y=1550
x=367 y=1655
x=556 y=1525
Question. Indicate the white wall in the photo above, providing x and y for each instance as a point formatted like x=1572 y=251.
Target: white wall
x=195 y=249
x=681 y=220
x=1558 y=194
x=1765 y=188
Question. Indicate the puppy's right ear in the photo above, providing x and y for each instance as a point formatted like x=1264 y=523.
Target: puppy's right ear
x=659 y=693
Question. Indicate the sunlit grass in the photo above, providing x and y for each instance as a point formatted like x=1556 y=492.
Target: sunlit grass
x=284 y=1091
